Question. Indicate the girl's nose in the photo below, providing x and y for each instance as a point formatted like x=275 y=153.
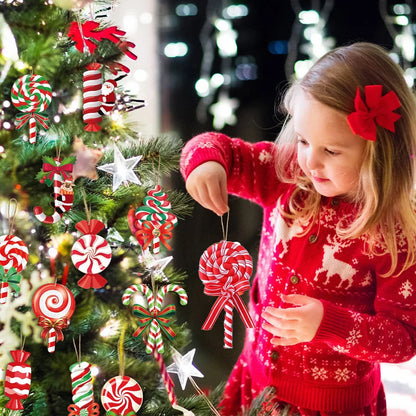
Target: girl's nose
x=313 y=160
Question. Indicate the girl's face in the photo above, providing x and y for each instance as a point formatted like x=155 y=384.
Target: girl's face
x=329 y=153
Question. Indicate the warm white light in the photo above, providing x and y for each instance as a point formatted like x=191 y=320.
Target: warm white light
x=309 y=17
x=20 y=65
x=7 y=125
x=226 y=42
x=95 y=370
x=130 y=21
x=217 y=80
x=188 y=9
x=202 y=87
x=402 y=20
x=302 y=67
x=52 y=252
x=6 y=103
x=56 y=119
x=222 y=25
x=176 y=49
x=235 y=11
x=402 y=9
x=146 y=18
x=141 y=75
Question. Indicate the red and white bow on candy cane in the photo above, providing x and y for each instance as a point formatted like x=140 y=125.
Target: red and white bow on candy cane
x=225 y=269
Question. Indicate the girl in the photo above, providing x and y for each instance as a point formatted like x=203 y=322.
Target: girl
x=335 y=289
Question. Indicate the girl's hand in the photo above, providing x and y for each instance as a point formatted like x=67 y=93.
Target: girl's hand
x=207 y=184
x=291 y=326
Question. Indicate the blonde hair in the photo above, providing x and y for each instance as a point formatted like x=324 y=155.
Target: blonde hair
x=387 y=178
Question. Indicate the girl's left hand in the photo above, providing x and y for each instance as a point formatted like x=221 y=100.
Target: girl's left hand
x=291 y=326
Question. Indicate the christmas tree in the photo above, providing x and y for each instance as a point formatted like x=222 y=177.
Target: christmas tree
x=85 y=265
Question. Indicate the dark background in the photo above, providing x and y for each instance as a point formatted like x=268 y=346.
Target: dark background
x=267 y=21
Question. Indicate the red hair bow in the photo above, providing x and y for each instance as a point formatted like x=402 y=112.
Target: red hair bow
x=376 y=109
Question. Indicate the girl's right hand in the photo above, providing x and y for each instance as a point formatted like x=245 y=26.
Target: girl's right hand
x=207 y=184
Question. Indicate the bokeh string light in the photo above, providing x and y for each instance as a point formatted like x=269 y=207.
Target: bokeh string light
x=399 y=21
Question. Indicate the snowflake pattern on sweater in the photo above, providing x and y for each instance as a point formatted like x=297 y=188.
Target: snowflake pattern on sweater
x=367 y=318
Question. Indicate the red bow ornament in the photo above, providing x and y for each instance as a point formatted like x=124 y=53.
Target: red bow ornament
x=92 y=410
x=376 y=109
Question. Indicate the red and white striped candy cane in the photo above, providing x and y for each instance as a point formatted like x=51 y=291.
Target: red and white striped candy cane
x=141 y=289
x=92 y=85
x=63 y=199
x=4 y=292
x=51 y=340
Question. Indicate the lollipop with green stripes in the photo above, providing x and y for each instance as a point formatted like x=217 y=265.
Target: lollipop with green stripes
x=31 y=94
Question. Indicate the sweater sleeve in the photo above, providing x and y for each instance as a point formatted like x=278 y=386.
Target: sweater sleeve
x=388 y=335
x=250 y=166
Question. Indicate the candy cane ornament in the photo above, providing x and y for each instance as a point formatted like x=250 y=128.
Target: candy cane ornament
x=92 y=85
x=53 y=304
x=225 y=269
x=32 y=95
x=156 y=319
x=62 y=191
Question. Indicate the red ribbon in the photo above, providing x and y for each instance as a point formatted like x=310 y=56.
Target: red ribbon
x=24 y=118
x=376 y=109
x=63 y=170
x=57 y=324
x=93 y=410
x=89 y=227
x=149 y=230
x=82 y=33
x=227 y=293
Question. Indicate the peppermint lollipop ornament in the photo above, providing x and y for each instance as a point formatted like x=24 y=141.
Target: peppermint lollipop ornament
x=53 y=304
x=91 y=254
x=121 y=396
x=153 y=222
x=32 y=95
x=225 y=269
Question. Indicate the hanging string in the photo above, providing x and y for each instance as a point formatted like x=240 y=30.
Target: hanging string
x=225 y=229
x=85 y=48
x=77 y=350
x=157 y=173
x=11 y=214
x=87 y=209
x=22 y=340
x=121 y=356
x=201 y=393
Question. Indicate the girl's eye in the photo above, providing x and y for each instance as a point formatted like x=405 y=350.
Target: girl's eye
x=331 y=152
x=301 y=141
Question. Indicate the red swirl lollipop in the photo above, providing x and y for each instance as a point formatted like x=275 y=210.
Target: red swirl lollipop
x=225 y=269
x=54 y=305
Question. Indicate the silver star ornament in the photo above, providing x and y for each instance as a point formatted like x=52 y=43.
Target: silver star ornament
x=122 y=169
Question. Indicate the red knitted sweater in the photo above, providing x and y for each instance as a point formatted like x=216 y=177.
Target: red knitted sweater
x=367 y=318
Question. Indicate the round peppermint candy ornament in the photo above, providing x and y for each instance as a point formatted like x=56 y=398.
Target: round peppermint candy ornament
x=91 y=254
x=122 y=396
x=13 y=253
